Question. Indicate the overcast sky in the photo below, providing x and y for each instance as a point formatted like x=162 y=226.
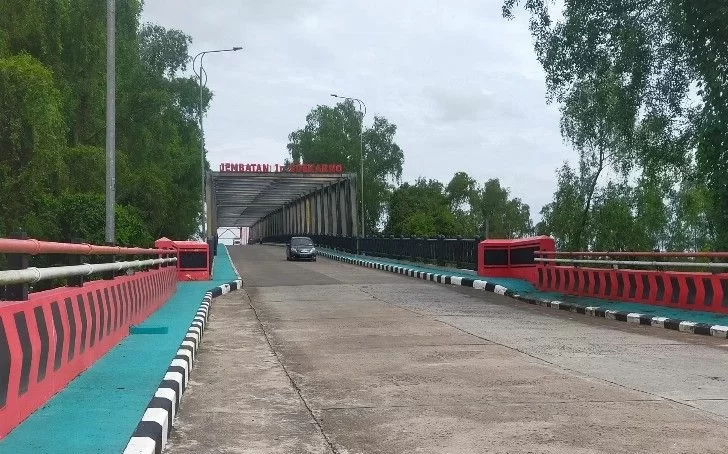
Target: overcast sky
x=461 y=83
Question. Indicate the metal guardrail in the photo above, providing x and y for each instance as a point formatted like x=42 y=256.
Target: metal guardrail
x=18 y=276
x=635 y=263
x=635 y=254
x=32 y=274
x=35 y=247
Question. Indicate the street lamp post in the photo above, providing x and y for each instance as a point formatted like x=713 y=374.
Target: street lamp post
x=363 y=112
x=202 y=132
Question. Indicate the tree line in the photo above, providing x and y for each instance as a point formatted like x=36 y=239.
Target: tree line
x=643 y=88
x=52 y=124
x=424 y=208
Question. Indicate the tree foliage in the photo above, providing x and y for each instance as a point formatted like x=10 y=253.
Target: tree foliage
x=52 y=124
x=642 y=90
x=31 y=133
x=421 y=210
x=332 y=135
x=500 y=216
x=462 y=208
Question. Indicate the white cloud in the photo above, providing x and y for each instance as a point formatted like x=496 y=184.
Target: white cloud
x=461 y=83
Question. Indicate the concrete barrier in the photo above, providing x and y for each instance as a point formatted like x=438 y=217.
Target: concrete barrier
x=705 y=292
x=48 y=340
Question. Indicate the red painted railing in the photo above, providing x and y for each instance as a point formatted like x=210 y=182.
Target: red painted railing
x=47 y=338
x=658 y=282
x=684 y=280
x=636 y=254
x=35 y=247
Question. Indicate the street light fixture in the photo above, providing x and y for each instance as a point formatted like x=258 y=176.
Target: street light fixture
x=363 y=112
x=202 y=132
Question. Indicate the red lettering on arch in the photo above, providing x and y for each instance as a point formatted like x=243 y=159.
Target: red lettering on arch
x=339 y=168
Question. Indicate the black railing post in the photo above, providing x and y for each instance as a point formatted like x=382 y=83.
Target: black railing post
x=112 y=258
x=440 y=250
x=474 y=252
x=458 y=252
x=17 y=292
x=75 y=259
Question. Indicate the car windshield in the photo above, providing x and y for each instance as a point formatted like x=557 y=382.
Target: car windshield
x=301 y=242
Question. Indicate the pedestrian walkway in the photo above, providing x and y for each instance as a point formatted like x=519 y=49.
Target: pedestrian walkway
x=99 y=410
x=523 y=287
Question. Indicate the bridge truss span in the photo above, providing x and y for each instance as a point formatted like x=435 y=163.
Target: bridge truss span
x=283 y=203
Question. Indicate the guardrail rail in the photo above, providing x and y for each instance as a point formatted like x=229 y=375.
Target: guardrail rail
x=18 y=275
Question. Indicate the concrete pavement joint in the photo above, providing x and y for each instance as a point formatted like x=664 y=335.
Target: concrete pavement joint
x=656 y=397
x=155 y=427
x=294 y=385
x=685 y=326
x=496 y=401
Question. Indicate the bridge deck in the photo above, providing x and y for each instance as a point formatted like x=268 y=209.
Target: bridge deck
x=327 y=357
x=526 y=288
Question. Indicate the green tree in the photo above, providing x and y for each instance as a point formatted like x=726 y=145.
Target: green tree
x=31 y=137
x=52 y=95
x=651 y=213
x=689 y=223
x=421 y=210
x=613 y=226
x=163 y=51
x=83 y=216
x=499 y=216
x=561 y=218
x=623 y=74
x=462 y=191
x=332 y=135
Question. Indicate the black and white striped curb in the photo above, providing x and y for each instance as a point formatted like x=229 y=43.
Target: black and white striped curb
x=594 y=311
x=428 y=276
x=155 y=427
x=685 y=326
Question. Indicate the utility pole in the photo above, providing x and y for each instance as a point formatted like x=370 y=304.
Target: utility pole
x=110 y=121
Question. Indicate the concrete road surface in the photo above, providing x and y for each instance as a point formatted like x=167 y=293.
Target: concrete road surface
x=327 y=357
